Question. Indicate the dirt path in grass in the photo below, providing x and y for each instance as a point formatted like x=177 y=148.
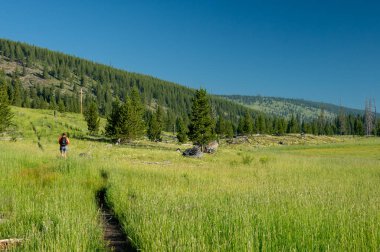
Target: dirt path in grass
x=114 y=235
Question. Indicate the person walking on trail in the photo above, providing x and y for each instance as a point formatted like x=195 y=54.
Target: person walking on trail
x=63 y=143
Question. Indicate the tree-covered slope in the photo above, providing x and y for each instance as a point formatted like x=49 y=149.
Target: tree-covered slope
x=286 y=107
x=41 y=78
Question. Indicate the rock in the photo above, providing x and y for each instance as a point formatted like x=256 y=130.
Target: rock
x=239 y=140
x=85 y=155
x=6 y=244
x=193 y=152
x=212 y=147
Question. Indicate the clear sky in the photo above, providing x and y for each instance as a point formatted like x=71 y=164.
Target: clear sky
x=323 y=50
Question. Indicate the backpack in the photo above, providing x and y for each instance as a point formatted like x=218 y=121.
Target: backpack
x=63 y=141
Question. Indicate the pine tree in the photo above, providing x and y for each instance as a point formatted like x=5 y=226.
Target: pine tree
x=261 y=127
x=220 y=128
x=159 y=117
x=377 y=130
x=91 y=116
x=136 y=115
x=202 y=125
x=248 y=124
x=359 y=126
x=182 y=130
x=280 y=126
x=155 y=125
x=341 y=122
x=293 y=125
x=24 y=72
x=17 y=100
x=321 y=122
x=240 y=128
x=114 y=120
x=45 y=73
x=126 y=120
x=61 y=106
x=82 y=81
x=5 y=112
x=229 y=129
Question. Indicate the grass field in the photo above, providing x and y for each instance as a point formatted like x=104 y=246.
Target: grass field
x=307 y=197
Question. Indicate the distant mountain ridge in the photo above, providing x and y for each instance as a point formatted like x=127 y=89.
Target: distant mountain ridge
x=278 y=106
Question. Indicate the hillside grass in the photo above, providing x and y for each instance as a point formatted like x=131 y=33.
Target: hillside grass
x=320 y=194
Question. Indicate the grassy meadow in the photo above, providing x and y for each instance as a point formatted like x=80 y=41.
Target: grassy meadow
x=317 y=195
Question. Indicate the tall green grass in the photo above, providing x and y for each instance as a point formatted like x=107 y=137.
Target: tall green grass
x=48 y=202
x=252 y=200
x=243 y=198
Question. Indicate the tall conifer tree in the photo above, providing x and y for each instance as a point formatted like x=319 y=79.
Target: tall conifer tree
x=155 y=125
x=182 y=130
x=202 y=125
x=91 y=115
x=5 y=112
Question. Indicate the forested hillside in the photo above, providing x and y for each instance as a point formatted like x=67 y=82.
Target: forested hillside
x=34 y=77
x=40 y=78
x=286 y=107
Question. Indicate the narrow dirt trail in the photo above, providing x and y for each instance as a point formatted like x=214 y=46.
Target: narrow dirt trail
x=114 y=235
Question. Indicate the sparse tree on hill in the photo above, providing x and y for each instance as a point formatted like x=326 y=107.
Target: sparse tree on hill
x=45 y=73
x=202 y=125
x=82 y=81
x=91 y=115
x=24 y=72
x=17 y=89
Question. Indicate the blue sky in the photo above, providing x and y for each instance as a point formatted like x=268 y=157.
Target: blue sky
x=318 y=50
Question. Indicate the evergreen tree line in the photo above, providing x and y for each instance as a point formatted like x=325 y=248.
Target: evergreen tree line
x=39 y=97
x=129 y=120
x=260 y=124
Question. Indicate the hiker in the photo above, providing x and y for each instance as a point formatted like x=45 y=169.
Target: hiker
x=63 y=142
